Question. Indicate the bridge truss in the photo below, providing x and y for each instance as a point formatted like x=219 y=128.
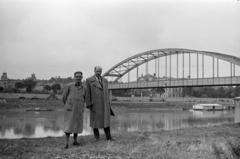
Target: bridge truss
x=181 y=55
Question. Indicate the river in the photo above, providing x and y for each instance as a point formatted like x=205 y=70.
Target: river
x=42 y=124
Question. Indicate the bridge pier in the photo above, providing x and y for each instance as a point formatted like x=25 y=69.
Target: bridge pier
x=110 y=95
x=237 y=110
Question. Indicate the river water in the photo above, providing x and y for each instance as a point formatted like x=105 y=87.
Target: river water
x=42 y=124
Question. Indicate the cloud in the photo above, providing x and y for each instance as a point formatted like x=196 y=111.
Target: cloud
x=58 y=37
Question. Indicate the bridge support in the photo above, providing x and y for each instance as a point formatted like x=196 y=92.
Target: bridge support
x=110 y=95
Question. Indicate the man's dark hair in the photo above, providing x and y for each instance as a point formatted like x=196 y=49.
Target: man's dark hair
x=77 y=72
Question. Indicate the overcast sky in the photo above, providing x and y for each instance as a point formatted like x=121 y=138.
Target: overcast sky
x=58 y=37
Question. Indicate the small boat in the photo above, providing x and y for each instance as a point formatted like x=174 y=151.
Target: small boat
x=209 y=107
x=38 y=109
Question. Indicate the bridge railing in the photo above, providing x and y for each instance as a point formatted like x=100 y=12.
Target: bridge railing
x=220 y=81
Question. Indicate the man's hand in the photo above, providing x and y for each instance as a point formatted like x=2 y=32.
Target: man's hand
x=89 y=106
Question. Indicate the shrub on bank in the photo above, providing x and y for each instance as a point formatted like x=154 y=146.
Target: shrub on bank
x=162 y=100
x=34 y=98
x=150 y=100
x=114 y=99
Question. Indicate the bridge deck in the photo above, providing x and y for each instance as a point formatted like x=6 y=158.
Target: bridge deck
x=220 y=81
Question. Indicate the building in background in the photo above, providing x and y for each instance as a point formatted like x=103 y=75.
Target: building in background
x=7 y=83
x=168 y=92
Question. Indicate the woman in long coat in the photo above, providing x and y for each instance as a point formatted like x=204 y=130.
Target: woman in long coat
x=73 y=99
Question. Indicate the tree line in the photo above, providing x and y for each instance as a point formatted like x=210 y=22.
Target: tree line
x=29 y=84
x=212 y=92
x=202 y=92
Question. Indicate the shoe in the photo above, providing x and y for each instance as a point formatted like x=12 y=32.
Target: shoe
x=76 y=144
x=65 y=147
x=111 y=139
x=96 y=139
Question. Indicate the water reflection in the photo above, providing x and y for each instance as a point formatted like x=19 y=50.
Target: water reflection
x=43 y=124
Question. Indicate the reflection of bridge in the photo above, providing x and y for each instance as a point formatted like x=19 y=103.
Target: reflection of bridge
x=178 y=68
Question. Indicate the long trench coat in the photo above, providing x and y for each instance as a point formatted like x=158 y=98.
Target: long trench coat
x=97 y=98
x=73 y=99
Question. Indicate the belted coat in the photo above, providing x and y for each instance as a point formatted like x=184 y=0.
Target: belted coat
x=97 y=99
x=73 y=98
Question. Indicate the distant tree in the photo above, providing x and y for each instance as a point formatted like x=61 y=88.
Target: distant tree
x=220 y=91
x=29 y=84
x=121 y=93
x=52 y=80
x=56 y=87
x=159 y=90
x=229 y=92
x=204 y=96
x=237 y=91
x=19 y=85
x=188 y=91
x=47 y=88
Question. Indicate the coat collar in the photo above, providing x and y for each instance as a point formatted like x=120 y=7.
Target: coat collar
x=95 y=82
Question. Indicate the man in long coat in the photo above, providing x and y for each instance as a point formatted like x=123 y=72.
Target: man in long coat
x=73 y=99
x=97 y=100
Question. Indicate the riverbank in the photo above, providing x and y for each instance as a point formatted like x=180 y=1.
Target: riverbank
x=209 y=142
x=119 y=105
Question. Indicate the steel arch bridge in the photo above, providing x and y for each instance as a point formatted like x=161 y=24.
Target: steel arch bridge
x=134 y=62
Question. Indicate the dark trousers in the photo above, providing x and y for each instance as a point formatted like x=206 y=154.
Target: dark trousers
x=106 y=130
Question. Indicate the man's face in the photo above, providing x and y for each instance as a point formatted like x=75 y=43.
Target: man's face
x=98 y=72
x=78 y=77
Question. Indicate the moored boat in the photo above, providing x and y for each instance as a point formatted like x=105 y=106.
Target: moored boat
x=39 y=109
x=211 y=106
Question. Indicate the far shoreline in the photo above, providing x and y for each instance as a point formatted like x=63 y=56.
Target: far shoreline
x=118 y=103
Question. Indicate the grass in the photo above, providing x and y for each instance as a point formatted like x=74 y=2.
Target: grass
x=219 y=141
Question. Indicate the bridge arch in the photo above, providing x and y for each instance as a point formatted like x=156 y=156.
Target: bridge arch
x=125 y=66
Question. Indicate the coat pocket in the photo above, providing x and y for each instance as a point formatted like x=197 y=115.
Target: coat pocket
x=92 y=107
x=68 y=107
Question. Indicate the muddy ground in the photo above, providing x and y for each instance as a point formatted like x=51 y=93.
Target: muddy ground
x=208 y=142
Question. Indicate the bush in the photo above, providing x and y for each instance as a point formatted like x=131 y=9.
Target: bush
x=34 y=98
x=204 y=96
x=9 y=90
x=21 y=98
x=150 y=100
x=114 y=99
x=162 y=100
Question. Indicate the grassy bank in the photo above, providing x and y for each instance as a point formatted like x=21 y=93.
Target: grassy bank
x=121 y=105
x=213 y=141
x=9 y=104
x=152 y=105
x=13 y=104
